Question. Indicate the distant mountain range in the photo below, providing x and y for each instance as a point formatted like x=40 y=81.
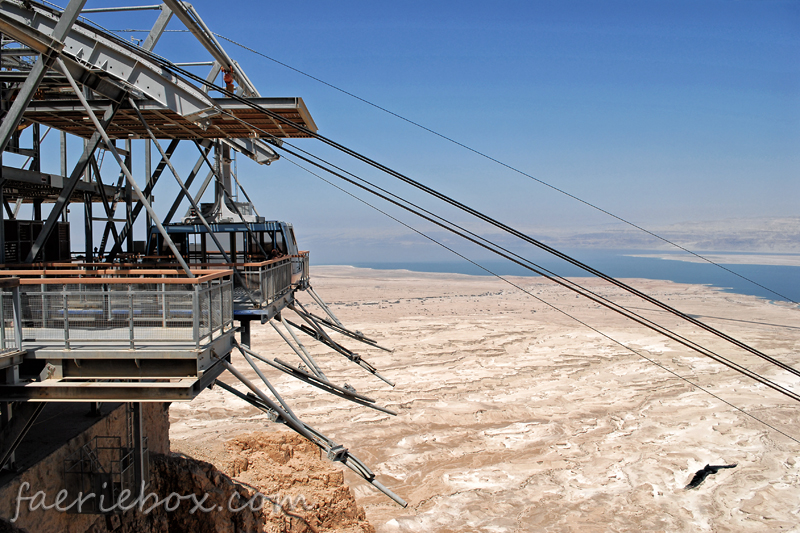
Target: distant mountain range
x=773 y=235
x=346 y=245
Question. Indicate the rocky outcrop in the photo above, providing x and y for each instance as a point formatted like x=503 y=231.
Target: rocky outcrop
x=289 y=467
x=262 y=483
x=266 y=483
x=219 y=506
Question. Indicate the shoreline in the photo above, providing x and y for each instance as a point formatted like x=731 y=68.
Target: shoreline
x=780 y=288
x=727 y=258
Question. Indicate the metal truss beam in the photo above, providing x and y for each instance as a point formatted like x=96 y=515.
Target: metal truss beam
x=32 y=177
x=106 y=66
x=69 y=186
x=205 y=148
x=110 y=226
x=227 y=193
x=158 y=28
x=75 y=177
x=196 y=208
x=187 y=14
x=139 y=194
x=148 y=191
x=191 y=19
x=49 y=53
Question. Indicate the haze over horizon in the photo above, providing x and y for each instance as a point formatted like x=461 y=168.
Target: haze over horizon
x=667 y=114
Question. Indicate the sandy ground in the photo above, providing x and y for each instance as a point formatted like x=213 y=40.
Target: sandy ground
x=514 y=417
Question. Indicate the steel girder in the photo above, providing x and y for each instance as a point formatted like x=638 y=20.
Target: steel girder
x=69 y=188
x=98 y=62
x=49 y=47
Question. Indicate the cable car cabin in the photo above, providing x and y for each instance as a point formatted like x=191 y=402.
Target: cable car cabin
x=268 y=266
x=242 y=242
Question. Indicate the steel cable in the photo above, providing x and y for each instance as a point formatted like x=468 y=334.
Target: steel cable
x=179 y=71
x=552 y=306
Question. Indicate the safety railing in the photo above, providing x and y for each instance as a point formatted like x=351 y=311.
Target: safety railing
x=301 y=265
x=129 y=307
x=267 y=280
x=11 y=309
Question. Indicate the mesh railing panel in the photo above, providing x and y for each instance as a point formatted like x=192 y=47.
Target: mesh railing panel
x=9 y=341
x=121 y=313
x=303 y=264
x=227 y=306
x=204 y=318
x=276 y=281
x=216 y=308
x=265 y=283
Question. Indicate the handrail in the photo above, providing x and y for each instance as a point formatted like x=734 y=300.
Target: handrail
x=247 y=264
x=9 y=283
x=95 y=266
x=238 y=264
x=94 y=277
x=108 y=272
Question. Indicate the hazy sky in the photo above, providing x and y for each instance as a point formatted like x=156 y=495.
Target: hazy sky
x=661 y=112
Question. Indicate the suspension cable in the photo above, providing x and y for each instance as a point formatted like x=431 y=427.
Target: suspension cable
x=541 y=300
x=516 y=258
x=474 y=213
x=574 y=287
x=503 y=164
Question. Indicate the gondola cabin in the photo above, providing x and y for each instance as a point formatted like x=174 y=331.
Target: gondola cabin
x=264 y=255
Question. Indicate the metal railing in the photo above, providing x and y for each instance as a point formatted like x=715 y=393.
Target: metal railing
x=133 y=308
x=11 y=309
x=301 y=260
x=268 y=280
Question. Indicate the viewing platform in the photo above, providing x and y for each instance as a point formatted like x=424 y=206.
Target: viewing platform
x=261 y=288
x=118 y=334
x=271 y=282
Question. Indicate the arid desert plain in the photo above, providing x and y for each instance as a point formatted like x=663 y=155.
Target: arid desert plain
x=514 y=417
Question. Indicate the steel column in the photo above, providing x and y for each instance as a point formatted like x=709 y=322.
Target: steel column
x=69 y=186
x=121 y=163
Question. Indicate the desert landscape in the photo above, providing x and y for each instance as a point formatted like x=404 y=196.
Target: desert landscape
x=514 y=417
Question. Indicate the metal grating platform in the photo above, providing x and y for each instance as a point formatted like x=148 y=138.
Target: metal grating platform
x=69 y=115
x=117 y=334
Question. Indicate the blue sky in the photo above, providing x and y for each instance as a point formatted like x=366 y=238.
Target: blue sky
x=661 y=112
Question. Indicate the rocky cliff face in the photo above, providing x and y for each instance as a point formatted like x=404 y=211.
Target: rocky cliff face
x=223 y=501
x=262 y=483
x=276 y=498
x=288 y=467
x=47 y=476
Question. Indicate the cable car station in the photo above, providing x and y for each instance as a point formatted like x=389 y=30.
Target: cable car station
x=143 y=316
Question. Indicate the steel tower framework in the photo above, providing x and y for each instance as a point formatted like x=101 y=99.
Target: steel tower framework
x=107 y=323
